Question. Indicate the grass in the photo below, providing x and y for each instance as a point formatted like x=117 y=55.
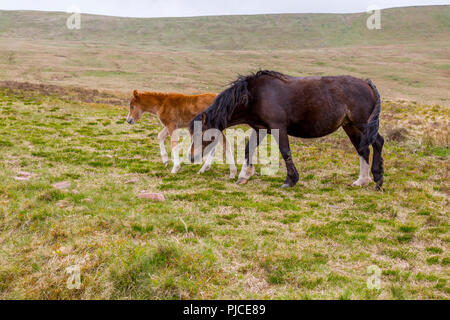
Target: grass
x=211 y=238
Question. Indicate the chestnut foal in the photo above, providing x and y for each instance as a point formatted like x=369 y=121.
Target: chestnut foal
x=175 y=111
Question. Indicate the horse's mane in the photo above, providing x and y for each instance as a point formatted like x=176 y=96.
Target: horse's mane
x=237 y=94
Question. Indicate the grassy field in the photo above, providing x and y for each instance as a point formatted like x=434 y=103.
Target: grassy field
x=212 y=238
x=63 y=98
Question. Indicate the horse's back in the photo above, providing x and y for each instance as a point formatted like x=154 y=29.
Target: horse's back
x=313 y=107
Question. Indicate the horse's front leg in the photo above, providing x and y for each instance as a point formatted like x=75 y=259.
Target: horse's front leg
x=292 y=174
x=248 y=170
x=208 y=162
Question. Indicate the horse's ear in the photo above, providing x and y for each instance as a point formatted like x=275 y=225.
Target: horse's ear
x=136 y=94
x=204 y=118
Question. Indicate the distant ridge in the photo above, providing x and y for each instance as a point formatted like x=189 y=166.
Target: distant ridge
x=243 y=32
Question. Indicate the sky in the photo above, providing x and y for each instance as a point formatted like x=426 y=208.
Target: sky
x=186 y=8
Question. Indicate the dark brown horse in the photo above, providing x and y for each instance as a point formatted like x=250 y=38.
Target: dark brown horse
x=309 y=107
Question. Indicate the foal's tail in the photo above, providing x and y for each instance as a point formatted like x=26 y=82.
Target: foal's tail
x=373 y=123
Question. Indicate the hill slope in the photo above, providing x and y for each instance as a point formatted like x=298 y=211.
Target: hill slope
x=288 y=31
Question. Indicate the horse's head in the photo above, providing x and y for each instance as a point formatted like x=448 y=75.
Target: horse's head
x=202 y=137
x=136 y=108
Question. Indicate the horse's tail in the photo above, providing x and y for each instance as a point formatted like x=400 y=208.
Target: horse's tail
x=373 y=123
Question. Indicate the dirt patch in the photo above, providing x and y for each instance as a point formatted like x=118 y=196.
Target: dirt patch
x=69 y=93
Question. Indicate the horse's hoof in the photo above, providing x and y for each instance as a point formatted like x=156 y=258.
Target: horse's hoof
x=285 y=186
x=379 y=186
x=361 y=183
x=175 y=170
x=166 y=164
x=233 y=174
x=242 y=181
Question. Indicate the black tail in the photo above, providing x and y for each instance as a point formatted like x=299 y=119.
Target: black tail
x=371 y=128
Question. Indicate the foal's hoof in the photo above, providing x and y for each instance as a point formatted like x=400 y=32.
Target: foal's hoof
x=166 y=163
x=285 y=186
x=242 y=181
x=175 y=170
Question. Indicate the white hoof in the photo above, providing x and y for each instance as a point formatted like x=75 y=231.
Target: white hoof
x=203 y=170
x=361 y=182
x=233 y=174
x=246 y=173
x=175 y=169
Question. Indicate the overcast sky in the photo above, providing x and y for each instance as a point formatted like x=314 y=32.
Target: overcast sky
x=183 y=8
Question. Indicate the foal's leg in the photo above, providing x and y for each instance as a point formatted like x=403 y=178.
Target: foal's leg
x=229 y=157
x=248 y=170
x=377 y=163
x=175 y=151
x=355 y=136
x=161 y=137
x=292 y=174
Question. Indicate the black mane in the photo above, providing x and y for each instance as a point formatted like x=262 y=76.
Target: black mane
x=237 y=94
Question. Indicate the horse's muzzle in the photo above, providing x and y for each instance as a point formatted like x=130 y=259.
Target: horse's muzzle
x=130 y=120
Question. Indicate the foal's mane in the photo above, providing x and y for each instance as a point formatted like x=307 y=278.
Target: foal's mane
x=145 y=94
x=237 y=94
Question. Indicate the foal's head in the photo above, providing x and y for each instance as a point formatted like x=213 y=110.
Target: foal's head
x=136 y=108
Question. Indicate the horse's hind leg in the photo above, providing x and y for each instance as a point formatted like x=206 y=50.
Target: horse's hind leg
x=292 y=173
x=356 y=136
x=377 y=163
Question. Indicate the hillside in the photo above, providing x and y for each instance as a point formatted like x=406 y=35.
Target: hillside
x=205 y=53
x=288 y=31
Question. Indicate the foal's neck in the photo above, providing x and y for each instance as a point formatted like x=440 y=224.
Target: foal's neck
x=153 y=101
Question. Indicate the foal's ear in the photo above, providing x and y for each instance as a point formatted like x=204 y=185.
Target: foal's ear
x=204 y=118
x=136 y=94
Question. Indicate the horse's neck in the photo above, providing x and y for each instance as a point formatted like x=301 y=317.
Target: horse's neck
x=238 y=117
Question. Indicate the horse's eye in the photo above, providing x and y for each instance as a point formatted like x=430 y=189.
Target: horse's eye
x=132 y=107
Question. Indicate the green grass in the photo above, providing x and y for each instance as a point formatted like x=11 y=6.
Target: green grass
x=212 y=238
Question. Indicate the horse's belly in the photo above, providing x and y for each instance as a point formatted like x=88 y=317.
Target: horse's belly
x=308 y=131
